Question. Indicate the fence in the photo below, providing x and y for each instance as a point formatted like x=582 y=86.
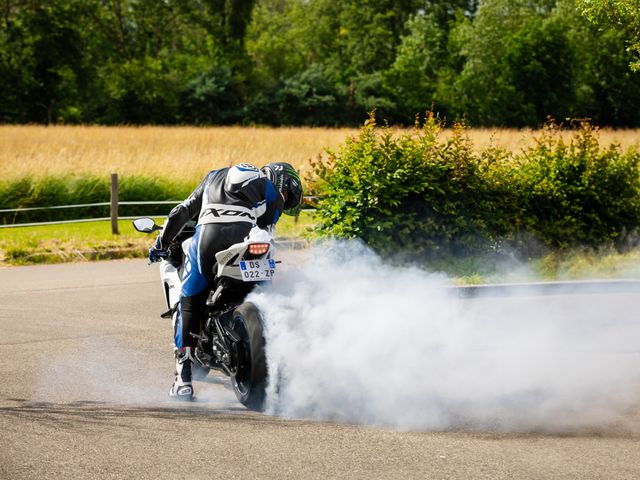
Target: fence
x=113 y=203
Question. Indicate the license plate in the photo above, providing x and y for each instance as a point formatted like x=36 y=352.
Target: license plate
x=257 y=270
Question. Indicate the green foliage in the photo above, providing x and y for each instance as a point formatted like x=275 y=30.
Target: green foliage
x=520 y=64
x=44 y=62
x=608 y=90
x=617 y=13
x=140 y=91
x=410 y=192
x=580 y=193
x=305 y=99
x=421 y=194
x=317 y=62
x=211 y=98
x=412 y=78
x=70 y=190
x=540 y=65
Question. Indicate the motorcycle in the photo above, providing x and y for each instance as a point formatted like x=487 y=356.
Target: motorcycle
x=231 y=338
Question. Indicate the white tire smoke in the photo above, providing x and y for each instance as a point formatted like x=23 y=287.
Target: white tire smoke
x=352 y=339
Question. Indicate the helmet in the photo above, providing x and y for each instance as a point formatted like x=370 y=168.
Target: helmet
x=288 y=183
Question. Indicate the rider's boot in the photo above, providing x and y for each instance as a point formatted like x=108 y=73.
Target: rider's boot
x=182 y=388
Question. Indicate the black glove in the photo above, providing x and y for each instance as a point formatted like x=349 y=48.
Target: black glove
x=157 y=253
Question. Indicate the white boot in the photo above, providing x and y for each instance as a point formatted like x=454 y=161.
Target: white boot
x=182 y=388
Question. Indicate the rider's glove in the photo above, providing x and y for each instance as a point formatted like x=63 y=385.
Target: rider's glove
x=157 y=253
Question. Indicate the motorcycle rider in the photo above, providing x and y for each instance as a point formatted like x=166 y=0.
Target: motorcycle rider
x=226 y=205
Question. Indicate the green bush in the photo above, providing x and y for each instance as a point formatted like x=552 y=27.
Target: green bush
x=419 y=193
x=580 y=193
x=412 y=192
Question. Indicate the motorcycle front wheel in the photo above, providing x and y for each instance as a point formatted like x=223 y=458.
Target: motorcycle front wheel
x=249 y=381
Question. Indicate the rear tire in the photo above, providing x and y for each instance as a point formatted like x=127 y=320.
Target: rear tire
x=250 y=380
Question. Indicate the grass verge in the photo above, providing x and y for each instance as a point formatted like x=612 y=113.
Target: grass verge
x=94 y=241
x=572 y=264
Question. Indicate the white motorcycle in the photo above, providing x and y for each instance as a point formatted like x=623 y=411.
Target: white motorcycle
x=231 y=335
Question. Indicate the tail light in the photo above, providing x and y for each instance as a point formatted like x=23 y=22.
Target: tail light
x=258 y=248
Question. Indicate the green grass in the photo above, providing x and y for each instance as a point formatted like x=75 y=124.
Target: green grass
x=582 y=264
x=571 y=264
x=94 y=241
x=70 y=189
x=288 y=227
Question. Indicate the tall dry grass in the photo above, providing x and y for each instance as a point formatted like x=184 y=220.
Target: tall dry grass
x=187 y=153
x=517 y=140
x=183 y=153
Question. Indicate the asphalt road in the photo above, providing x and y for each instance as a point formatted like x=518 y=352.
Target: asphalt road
x=86 y=363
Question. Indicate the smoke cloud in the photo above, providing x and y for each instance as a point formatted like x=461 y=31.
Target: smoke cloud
x=107 y=370
x=352 y=339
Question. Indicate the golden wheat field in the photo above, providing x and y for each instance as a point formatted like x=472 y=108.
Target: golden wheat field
x=187 y=153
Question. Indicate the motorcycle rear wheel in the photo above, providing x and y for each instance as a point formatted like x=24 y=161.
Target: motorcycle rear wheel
x=250 y=380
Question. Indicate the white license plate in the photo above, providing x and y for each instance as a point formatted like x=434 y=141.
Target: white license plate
x=257 y=270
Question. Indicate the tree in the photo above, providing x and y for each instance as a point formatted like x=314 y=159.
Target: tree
x=518 y=64
x=336 y=47
x=307 y=98
x=211 y=98
x=45 y=61
x=328 y=62
x=172 y=61
x=617 y=13
x=413 y=76
x=540 y=66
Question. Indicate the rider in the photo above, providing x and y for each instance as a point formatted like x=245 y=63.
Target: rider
x=226 y=205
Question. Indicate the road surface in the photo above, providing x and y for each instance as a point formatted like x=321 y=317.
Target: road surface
x=86 y=363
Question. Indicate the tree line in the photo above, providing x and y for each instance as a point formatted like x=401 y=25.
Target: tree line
x=313 y=62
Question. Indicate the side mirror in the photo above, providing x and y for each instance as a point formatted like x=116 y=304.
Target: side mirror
x=145 y=225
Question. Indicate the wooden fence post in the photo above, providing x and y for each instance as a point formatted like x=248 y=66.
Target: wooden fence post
x=114 y=203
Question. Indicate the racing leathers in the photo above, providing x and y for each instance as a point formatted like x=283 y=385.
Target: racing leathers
x=226 y=205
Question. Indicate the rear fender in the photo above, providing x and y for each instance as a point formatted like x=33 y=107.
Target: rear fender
x=228 y=261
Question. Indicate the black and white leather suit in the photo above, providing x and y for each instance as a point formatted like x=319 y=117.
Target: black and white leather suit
x=226 y=204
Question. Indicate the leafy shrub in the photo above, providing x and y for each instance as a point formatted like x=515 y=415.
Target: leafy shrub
x=580 y=193
x=412 y=192
x=422 y=194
